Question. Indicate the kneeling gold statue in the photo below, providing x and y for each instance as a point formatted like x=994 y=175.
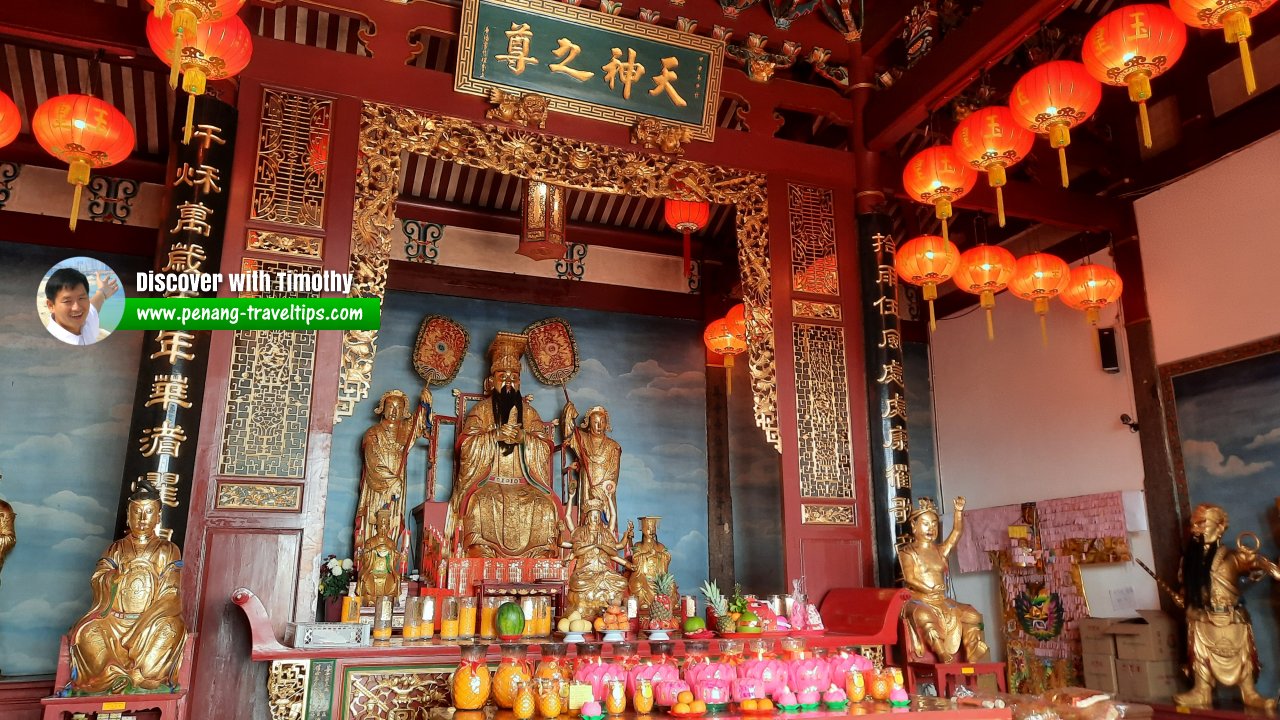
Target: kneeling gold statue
x=1219 y=631
x=935 y=622
x=131 y=639
x=594 y=582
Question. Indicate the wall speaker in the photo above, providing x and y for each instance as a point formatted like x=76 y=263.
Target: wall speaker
x=1107 y=353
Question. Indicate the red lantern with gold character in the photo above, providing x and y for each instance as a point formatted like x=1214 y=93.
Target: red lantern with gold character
x=1233 y=16
x=927 y=261
x=1053 y=98
x=10 y=120
x=737 y=319
x=186 y=15
x=937 y=176
x=991 y=140
x=85 y=133
x=721 y=340
x=984 y=271
x=1039 y=277
x=214 y=51
x=686 y=216
x=1129 y=46
x=1091 y=288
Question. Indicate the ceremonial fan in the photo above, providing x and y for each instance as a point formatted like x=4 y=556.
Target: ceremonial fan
x=437 y=358
x=553 y=360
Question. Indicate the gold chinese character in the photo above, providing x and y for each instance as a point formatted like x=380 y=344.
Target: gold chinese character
x=901 y=508
x=1138 y=29
x=165 y=483
x=900 y=475
x=891 y=373
x=897 y=439
x=887 y=305
x=208 y=135
x=883 y=243
x=193 y=217
x=519 y=37
x=895 y=406
x=566 y=47
x=891 y=339
x=886 y=275
x=185 y=258
x=167 y=390
x=629 y=71
x=163 y=440
x=174 y=344
x=201 y=177
x=665 y=82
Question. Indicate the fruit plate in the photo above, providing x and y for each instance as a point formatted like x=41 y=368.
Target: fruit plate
x=574 y=637
x=756 y=713
x=661 y=634
x=673 y=713
x=806 y=633
x=700 y=635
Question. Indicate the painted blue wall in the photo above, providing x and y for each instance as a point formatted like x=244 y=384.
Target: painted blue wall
x=648 y=372
x=64 y=417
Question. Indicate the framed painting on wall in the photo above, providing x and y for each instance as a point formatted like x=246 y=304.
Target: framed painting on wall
x=1223 y=416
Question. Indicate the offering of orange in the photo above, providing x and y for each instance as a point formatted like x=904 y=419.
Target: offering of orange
x=684 y=698
x=614 y=617
x=749 y=705
x=680 y=708
x=697 y=707
x=764 y=704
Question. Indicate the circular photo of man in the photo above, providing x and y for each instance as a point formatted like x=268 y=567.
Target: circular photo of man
x=79 y=301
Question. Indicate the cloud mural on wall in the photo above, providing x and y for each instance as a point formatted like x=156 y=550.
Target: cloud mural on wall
x=1205 y=454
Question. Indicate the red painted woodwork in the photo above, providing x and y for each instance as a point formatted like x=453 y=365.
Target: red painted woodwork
x=171 y=706
x=98 y=26
x=20 y=696
x=871 y=613
x=262 y=636
x=94 y=237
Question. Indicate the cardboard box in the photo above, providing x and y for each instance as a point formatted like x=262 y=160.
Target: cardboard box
x=1096 y=637
x=1146 y=680
x=1100 y=673
x=1153 y=636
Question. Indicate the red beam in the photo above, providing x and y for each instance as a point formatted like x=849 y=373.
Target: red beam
x=95 y=237
x=76 y=23
x=881 y=25
x=987 y=35
x=143 y=168
x=1055 y=206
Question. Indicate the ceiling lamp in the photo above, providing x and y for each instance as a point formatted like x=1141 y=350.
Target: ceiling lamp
x=542 y=227
x=1091 y=288
x=1130 y=46
x=721 y=340
x=212 y=51
x=937 y=176
x=927 y=261
x=1053 y=98
x=1039 y=277
x=991 y=140
x=10 y=120
x=85 y=133
x=984 y=271
x=686 y=216
x=1230 y=15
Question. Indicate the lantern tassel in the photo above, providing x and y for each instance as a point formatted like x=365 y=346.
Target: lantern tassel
x=1146 y=124
x=1062 y=163
x=77 y=175
x=158 y=8
x=1060 y=137
x=191 y=113
x=991 y=326
x=175 y=65
x=1238 y=28
x=688 y=255
x=1000 y=205
x=933 y=322
x=75 y=205
x=728 y=375
x=944 y=230
x=1044 y=332
x=1246 y=63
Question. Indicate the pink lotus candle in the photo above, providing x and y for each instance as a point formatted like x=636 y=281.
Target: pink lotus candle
x=834 y=696
x=840 y=665
x=772 y=673
x=747 y=688
x=809 y=696
x=712 y=692
x=598 y=675
x=591 y=709
x=695 y=674
x=785 y=698
x=664 y=693
x=809 y=672
x=653 y=673
x=898 y=698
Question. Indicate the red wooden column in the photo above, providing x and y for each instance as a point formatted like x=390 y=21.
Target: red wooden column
x=821 y=396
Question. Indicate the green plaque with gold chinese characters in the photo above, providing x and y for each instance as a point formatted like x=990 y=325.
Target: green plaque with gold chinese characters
x=590 y=63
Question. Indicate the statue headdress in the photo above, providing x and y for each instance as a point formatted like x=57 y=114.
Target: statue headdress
x=382 y=401
x=586 y=419
x=505 y=352
x=926 y=506
x=144 y=491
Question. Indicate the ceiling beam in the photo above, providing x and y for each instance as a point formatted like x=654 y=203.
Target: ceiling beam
x=881 y=25
x=144 y=168
x=91 y=236
x=92 y=26
x=988 y=34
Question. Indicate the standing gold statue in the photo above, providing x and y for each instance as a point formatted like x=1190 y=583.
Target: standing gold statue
x=935 y=622
x=502 y=490
x=1219 y=632
x=599 y=459
x=380 y=561
x=649 y=559
x=594 y=582
x=386 y=450
x=132 y=637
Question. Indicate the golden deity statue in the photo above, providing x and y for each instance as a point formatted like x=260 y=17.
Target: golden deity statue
x=649 y=559
x=131 y=639
x=380 y=561
x=385 y=449
x=599 y=458
x=594 y=583
x=502 y=492
x=935 y=622
x=1219 y=631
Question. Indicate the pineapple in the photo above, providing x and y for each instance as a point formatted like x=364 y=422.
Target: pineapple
x=720 y=606
x=664 y=591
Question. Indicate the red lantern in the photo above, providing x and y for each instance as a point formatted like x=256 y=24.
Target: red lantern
x=686 y=216
x=1039 y=277
x=1053 y=98
x=1230 y=15
x=937 y=176
x=927 y=261
x=186 y=16
x=984 y=271
x=720 y=339
x=214 y=51
x=10 y=120
x=737 y=319
x=85 y=133
x=542 y=222
x=1091 y=288
x=1130 y=46
x=991 y=140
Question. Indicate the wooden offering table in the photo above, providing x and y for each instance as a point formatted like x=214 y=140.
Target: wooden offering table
x=399 y=678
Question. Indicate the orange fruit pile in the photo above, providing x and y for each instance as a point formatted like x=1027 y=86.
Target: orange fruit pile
x=614 y=618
